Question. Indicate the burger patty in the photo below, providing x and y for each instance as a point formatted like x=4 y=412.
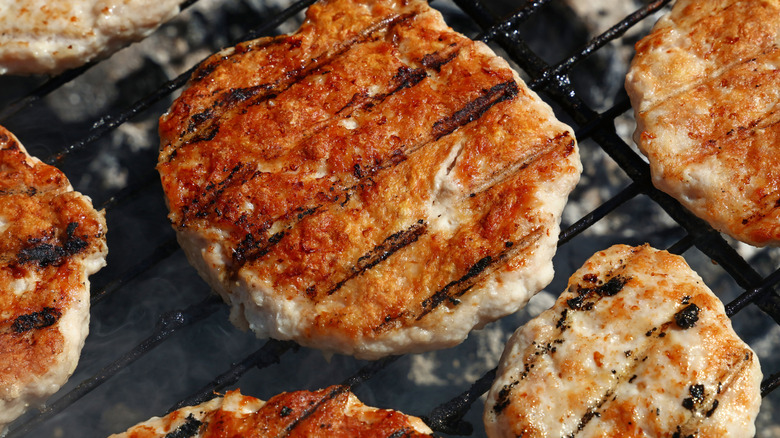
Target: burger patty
x=47 y=37
x=373 y=184
x=51 y=239
x=637 y=346
x=704 y=87
x=330 y=412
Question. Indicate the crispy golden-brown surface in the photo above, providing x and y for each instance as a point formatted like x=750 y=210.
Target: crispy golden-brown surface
x=367 y=181
x=637 y=346
x=50 y=240
x=329 y=412
x=704 y=86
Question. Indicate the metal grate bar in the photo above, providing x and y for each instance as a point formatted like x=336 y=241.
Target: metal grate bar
x=56 y=82
x=268 y=355
x=108 y=123
x=168 y=324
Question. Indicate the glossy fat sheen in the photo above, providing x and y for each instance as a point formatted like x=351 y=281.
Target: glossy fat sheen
x=51 y=239
x=330 y=412
x=611 y=359
x=704 y=86
x=374 y=184
x=42 y=36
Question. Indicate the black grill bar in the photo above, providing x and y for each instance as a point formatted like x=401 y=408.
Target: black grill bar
x=268 y=355
x=706 y=239
x=108 y=123
x=56 y=82
x=168 y=324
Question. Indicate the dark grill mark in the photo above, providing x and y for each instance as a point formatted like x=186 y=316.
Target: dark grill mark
x=400 y=433
x=230 y=98
x=36 y=320
x=335 y=392
x=285 y=411
x=46 y=254
x=187 y=430
x=687 y=317
x=475 y=109
x=408 y=77
x=591 y=413
x=435 y=61
x=460 y=286
x=197 y=119
x=252 y=249
x=200 y=206
x=456 y=287
x=381 y=252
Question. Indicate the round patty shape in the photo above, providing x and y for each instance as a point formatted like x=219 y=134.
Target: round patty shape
x=705 y=87
x=51 y=239
x=637 y=346
x=43 y=36
x=373 y=184
x=330 y=412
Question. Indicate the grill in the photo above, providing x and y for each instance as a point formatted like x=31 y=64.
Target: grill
x=159 y=339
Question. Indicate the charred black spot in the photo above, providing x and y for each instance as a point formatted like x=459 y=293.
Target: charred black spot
x=285 y=411
x=687 y=317
x=502 y=401
x=576 y=302
x=46 y=254
x=715 y=404
x=187 y=430
x=36 y=320
x=561 y=324
x=613 y=286
x=475 y=109
x=696 y=398
x=631 y=380
x=686 y=299
x=590 y=278
x=357 y=171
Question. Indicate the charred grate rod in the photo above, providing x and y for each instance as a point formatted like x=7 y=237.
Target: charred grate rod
x=56 y=82
x=267 y=355
x=168 y=324
x=108 y=123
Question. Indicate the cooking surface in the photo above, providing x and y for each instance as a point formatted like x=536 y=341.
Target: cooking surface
x=138 y=296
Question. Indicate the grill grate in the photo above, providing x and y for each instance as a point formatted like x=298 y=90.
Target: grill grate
x=98 y=395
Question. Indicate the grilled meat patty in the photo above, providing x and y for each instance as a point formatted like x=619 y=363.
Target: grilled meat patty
x=373 y=184
x=637 y=346
x=704 y=87
x=47 y=37
x=330 y=412
x=51 y=239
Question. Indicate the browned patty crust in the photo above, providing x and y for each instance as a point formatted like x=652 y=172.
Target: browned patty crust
x=705 y=89
x=51 y=238
x=363 y=173
x=330 y=412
